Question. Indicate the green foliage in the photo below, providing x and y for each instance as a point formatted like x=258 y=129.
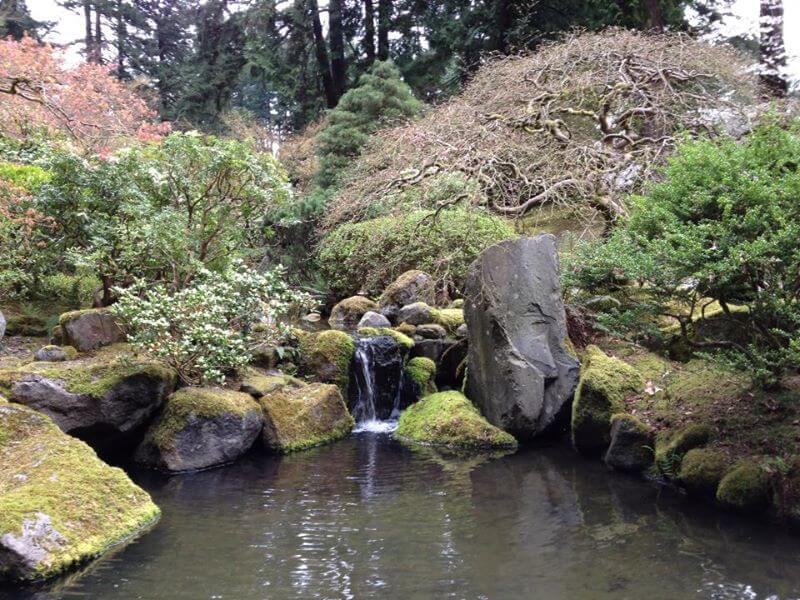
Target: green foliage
x=208 y=329
x=380 y=97
x=371 y=254
x=26 y=177
x=722 y=226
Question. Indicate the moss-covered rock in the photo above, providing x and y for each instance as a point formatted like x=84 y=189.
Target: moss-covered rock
x=412 y=286
x=417 y=313
x=296 y=418
x=259 y=384
x=326 y=357
x=449 y=318
x=90 y=329
x=431 y=331
x=347 y=313
x=53 y=353
x=673 y=445
x=631 y=447
x=59 y=504
x=405 y=342
x=103 y=399
x=745 y=487
x=449 y=419
x=406 y=329
x=201 y=428
x=604 y=384
x=422 y=372
x=701 y=471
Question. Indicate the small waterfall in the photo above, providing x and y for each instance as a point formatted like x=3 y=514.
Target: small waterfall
x=376 y=388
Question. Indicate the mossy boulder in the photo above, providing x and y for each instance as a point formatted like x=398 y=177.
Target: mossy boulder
x=631 y=446
x=405 y=342
x=59 y=504
x=449 y=318
x=259 y=384
x=745 y=487
x=421 y=372
x=701 y=471
x=673 y=445
x=346 y=314
x=326 y=357
x=201 y=428
x=299 y=417
x=412 y=286
x=604 y=384
x=450 y=420
x=417 y=313
x=431 y=331
x=103 y=399
x=52 y=353
x=90 y=329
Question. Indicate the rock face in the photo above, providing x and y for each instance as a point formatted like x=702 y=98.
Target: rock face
x=605 y=383
x=411 y=286
x=90 y=329
x=104 y=399
x=347 y=313
x=631 y=447
x=520 y=373
x=449 y=419
x=373 y=319
x=201 y=428
x=59 y=504
x=301 y=416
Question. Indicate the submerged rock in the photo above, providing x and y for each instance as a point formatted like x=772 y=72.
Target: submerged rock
x=347 y=313
x=299 y=417
x=326 y=356
x=55 y=353
x=520 y=372
x=412 y=286
x=449 y=419
x=59 y=504
x=90 y=329
x=201 y=428
x=631 y=447
x=103 y=399
x=604 y=384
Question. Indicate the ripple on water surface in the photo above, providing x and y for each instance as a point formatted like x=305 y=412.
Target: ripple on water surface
x=368 y=518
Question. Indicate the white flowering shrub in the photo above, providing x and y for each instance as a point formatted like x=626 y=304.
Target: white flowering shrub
x=210 y=327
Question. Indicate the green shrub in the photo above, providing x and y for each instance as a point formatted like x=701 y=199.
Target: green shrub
x=722 y=226
x=370 y=255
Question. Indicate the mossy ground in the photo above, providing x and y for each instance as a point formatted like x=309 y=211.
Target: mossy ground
x=297 y=418
x=43 y=471
x=191 y=402
x=449 y=419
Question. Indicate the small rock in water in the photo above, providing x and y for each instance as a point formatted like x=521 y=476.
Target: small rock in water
x=373 y=319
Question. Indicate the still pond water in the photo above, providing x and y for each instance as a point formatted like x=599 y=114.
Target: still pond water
x=368 y=518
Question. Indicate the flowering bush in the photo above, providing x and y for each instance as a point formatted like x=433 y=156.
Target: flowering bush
x=211 y=327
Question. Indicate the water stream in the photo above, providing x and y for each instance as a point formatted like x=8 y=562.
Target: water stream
x=377 y=381
x=368 y=518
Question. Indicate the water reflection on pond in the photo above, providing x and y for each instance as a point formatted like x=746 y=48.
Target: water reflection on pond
x=367 y=518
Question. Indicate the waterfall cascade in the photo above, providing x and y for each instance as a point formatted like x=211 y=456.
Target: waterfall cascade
x=377 y=390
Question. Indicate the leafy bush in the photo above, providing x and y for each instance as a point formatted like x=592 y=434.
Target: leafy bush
x=369 y=255
x=722 y=227
x=381 y=96
x=211 y=327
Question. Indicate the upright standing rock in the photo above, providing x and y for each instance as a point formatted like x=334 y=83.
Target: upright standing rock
x=520 y=372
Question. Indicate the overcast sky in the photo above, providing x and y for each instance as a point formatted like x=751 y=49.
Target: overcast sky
x=69 y=25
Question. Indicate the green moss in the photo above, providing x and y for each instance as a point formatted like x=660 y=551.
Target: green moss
x=406 y=329
x=189 y=403
x=402 y=339
x=701 y=471
x=746 y=487
x=302 y=417
x=457 y=303
x=449 y=318
x=449 y=419
x=90 y=505
x=671 y=446
x=326 y=355
x=422 y=372
x=604 y=384
x=258 y=384
x=27 y=325
x=69 y=352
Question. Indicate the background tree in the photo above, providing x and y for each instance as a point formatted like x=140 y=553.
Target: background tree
x=16 y=21
x=772 y=48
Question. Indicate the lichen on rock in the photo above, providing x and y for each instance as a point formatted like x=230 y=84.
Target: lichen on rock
x=450 y=420
x=59 y=504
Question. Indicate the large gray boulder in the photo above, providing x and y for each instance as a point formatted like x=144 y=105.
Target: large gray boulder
x=90 y=329
x=521 y=374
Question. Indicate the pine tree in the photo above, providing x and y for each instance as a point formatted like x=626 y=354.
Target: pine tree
x=16 y=21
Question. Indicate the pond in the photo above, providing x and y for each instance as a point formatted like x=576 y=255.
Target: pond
x=369 y=518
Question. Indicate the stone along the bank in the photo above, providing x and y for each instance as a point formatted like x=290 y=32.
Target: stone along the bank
x=520 y=373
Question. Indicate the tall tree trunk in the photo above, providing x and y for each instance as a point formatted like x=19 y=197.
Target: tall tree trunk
x=88 y=33
x=772 y=48
x=122 y=35
x=336 y=34
x=503 y=19
x=369 y=31
x=655 y=16
x=321 y=52
x=384 y=24
x=98 y=37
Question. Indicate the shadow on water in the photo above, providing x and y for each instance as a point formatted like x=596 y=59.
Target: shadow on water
x=369 y=518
